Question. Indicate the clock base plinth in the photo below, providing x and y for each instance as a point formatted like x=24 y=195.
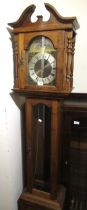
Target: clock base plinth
x=41 y=201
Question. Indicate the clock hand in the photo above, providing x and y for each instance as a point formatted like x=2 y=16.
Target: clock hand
x=38 y=72
x=47 y=65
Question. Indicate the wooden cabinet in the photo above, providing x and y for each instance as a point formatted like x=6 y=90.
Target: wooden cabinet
x=75 y=151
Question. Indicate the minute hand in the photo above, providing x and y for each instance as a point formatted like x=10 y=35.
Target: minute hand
x=42 y=69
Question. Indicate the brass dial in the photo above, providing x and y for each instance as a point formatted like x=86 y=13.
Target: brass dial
x=42 y=68
x=42 y=63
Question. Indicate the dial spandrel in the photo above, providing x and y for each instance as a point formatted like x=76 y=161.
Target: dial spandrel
x=42 y=62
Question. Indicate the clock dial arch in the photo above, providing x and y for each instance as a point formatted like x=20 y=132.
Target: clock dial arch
x=42 y=61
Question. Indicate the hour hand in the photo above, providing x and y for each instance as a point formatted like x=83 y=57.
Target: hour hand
x=38 y=72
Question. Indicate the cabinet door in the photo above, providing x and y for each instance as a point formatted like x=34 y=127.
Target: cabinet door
x=75 y=158
x=42 y=141
x=44 y=59
x=41 y=65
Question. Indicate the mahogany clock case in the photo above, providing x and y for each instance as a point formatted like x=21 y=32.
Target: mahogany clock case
x=54 y=55
x=43 y=54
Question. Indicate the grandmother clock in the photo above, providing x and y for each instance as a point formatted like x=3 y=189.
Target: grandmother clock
x=43 y=73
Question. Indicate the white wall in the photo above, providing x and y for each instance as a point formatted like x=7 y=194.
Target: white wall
x=10 y=132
